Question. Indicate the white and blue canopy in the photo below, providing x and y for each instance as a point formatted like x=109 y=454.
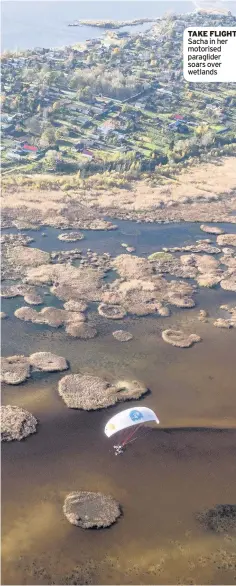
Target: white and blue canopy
x=129 y=417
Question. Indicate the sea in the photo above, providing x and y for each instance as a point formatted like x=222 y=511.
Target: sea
x=31 y=23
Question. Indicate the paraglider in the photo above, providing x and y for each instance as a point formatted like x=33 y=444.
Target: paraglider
x=134 y=418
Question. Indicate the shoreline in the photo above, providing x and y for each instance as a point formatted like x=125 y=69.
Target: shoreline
x=112 y=24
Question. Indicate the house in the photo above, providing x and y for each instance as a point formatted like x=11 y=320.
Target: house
x=29 y=147
x=5 y=118
x=107 y=127
x=139 y=104
x=13 y=155
x=178 y=117
x=7 y=126
x=178 y=126
x=88 y=154
x=164 y=91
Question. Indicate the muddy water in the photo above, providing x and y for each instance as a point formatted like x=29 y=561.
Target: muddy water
x=161 y=482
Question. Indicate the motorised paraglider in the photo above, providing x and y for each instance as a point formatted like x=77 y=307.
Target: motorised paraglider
x=134 y=418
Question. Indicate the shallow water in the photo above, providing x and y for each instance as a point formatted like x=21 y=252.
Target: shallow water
x=161 y=481
x=145 y=237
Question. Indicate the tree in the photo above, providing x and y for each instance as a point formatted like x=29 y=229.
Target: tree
x=34 y=125
x=125 y=108
x=48 y=137
x=200 y=130
x=61 y=133
x=207 y=139
x=51 y=160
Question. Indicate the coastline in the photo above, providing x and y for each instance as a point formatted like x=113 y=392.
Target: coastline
x=112 y=24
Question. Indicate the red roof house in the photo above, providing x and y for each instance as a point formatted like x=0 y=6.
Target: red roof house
x=87 y=153
x=178 y=117
x=29 y=147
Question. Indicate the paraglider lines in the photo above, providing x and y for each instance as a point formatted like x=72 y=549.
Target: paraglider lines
x=130 y=435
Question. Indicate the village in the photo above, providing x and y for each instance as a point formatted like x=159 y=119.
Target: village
x=115 y=103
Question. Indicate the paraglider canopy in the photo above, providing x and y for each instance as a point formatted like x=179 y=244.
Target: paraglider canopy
x=128 y=418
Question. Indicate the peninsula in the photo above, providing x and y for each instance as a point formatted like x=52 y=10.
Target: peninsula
x=112 y=24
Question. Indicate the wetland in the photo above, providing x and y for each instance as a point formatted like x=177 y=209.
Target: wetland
x=158 y=538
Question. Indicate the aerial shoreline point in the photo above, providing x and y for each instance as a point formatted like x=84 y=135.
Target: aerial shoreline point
x=112 y=24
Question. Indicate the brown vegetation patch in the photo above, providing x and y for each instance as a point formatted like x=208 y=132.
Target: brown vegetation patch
x=149 y=295
x=222 y=323
x=65 y=256
x=211 y=229
x=82 y=391
x=122 y=336
x=50 y=316
x=190 y=191
x=220 y=519
x=226 y=240
x=69 y=282
x=178 y=300
x=17 y=259
x=229 y=282
x=179 y=338
x=25 y=257
x=111 y=311
x=176 y=267
x=203 y=315
x=16 y=423
x=127 y=389
x=17 y=290
x=208 y=280
x=80 y=330
x=207 y=264
x=3 y=315
x=47 y=362
x=93 y=259
x=75 y=305
x=34 y=207
x=164 y=262
x=199 y=247
x=207 y=269
x=132 y=267
x=14 y=369
x=15 y=239
x=228 y=258
x=71 y=236
x=228 y=322
x=91 y=509
x=33 y=298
